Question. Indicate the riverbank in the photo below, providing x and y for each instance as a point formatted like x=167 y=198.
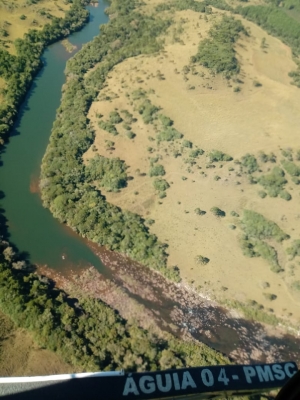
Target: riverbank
x=146 y=297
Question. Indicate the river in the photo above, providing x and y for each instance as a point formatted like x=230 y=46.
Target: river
x=48 y=243
x=31 y=226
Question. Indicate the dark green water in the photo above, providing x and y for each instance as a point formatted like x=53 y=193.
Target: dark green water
x=31 y=227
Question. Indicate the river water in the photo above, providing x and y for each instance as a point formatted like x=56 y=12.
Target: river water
x=32 y=227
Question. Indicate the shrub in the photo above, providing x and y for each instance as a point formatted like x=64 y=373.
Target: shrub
x=249 y=162
x=233 y=227
x=217 y=178
x=201 y=260
x=130 y=135
x=127 y=116
x=169 y=134
x=262 y=194
x=296 y=285
x=274 y=182
x=198 y=211
x=285 y=195
x=287 y=154
x=187 y=143
x=234 y=214
x=195 y=153
x=115 y=118
x=108 y=126
x=291 y=168
x=294 y=250
x=237 y=89
x=23 y=16
x=270 y=296
x=266 y=157
x=157 y=170
x=148 y=111
x=256 y=84
x=217 y=155
x=218 y=212
x=162 y=195
x=160 y=184
x=126 y=126
x=166 y=121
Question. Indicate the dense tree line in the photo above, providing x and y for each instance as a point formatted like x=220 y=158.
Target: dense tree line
x=19 y=70
x=86 y=332
x=64 y=180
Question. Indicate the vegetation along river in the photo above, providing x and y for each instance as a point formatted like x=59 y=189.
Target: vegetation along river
x=33 y=229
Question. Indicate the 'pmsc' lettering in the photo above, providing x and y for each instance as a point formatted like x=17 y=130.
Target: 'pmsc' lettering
x=269 y=373
x=147 y=384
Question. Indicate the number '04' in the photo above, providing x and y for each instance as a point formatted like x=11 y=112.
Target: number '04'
x=208 y=378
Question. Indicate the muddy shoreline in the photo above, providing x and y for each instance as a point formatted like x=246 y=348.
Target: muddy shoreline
x=143 y=295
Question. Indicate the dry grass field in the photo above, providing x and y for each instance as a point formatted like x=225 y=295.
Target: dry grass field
x=208 y=111
x=18 y=16
x=20 y=356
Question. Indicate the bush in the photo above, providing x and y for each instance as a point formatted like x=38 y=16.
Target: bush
x=23 y=16
x=217 y=178
x=217 y=212
x=270 y=296
x=201 y=260
x=274 y=182
x=234 y=214
x=130 y=135
x=166 y=121
x=198 y=211
x=294 y=250
x=291 y=168
x=262 y=194
x=187 y=143
x=249 y=162
x=266 y=157
x=148 y=111
x=285 y=195
x=195 y=153
x=296 y=285
x=157 y=170
x=108 y=126
x=162 y=195
x=169 y=134
x=217 y=155
x=160 y=184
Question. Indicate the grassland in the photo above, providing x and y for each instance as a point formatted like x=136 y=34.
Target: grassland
x=175 y=114
x=18 y=16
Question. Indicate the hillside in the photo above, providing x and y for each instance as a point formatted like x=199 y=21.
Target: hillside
x=254 y=112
